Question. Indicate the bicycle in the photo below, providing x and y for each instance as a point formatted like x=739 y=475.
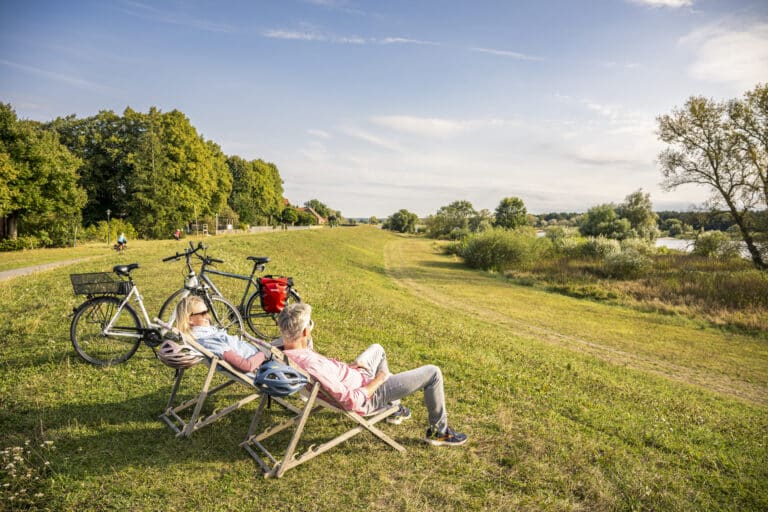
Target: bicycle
x=256 y=308
x=223 y=313
x=106 y=329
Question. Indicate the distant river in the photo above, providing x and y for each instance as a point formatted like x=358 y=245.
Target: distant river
x=679 y=244
x=686 y=245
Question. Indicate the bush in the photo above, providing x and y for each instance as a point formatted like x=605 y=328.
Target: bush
x=564 y=239
x=22 y=242
x=639 y=245
x=98 y=232
x=599 y=247
x=629 y=264
x=501 y=249
x=715 y=244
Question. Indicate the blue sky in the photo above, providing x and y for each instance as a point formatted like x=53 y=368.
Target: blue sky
x=371 y=107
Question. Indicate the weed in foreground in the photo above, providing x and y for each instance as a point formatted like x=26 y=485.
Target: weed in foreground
x=23 y=471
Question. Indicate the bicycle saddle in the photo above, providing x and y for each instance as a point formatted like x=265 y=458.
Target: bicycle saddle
x=124 y=270
x=259 y=259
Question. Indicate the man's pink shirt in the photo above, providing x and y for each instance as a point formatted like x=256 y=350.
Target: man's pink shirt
x=340 y=381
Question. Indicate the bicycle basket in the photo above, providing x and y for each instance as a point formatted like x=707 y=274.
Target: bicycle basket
x=98 y=283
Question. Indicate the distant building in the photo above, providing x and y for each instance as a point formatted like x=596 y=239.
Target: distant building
x=320 y=219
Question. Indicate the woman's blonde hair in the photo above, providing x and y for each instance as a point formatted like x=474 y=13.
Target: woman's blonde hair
x=184 y=310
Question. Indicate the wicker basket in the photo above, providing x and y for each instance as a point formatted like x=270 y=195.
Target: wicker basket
x=98 y=283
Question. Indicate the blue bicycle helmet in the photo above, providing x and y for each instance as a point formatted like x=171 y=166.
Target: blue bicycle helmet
x=277 y=379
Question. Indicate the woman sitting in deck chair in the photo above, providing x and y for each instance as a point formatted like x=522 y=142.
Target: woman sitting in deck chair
x=193 y=318
x=366 y=385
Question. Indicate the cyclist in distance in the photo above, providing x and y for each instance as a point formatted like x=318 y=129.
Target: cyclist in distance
x=366 y=385
x=122 y=242
x=193 y=318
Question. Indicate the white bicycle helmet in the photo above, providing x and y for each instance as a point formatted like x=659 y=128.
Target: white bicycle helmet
x=178 y=356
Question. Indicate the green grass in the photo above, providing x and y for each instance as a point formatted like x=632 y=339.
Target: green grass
x=569 y=404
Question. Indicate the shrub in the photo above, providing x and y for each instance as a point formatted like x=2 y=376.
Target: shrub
x=639 y=245
x=599 y=247
x=22 y=242
x=459 y=233
x=715 y=244
x=629 y=264
x=98 y=232
x=500 y=249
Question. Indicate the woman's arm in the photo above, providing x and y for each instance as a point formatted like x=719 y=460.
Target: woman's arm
x=243 y=364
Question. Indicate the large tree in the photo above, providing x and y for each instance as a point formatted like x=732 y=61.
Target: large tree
x=154 y=169
x=177 y=175
x=750 y=119
x=511 y=213
x=710 y=146
x=39 y=195
x=257 y=190
x=402 y=221
x=449 y=219
x=602 y=220
x=103 y=143
x=638 y=210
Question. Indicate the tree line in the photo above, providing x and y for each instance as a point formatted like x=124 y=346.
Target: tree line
x=151 y=173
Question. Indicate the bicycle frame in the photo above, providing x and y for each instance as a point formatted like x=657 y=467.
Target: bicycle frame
x=204 y=271
x=147 y=325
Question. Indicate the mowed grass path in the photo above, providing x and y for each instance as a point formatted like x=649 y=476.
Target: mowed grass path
x=674 y=347
x=569 y=405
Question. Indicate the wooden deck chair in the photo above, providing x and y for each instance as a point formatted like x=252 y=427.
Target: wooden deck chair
x=314 y=401
x=174 y=415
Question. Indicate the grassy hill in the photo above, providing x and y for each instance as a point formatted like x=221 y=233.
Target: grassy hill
x=569 y=404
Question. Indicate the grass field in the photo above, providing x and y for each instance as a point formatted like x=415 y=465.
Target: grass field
x=569 y=404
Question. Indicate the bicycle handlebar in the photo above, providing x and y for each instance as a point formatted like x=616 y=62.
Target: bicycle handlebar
x=187 y=252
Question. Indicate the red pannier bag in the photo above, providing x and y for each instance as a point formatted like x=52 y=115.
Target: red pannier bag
x=274 y=292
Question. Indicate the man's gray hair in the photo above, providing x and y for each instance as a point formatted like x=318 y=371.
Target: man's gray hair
x=293 y=319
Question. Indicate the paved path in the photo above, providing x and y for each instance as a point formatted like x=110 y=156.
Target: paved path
x=16 y=272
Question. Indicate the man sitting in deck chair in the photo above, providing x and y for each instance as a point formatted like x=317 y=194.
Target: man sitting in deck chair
x=366 y=385
x=193 y=318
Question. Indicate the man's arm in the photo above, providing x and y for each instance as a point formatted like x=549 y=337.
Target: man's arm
x=370 y=388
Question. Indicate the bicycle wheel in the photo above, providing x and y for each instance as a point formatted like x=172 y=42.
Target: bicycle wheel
x=87 y=331
x=263 y=324
x=225 y=315
x=168 y=309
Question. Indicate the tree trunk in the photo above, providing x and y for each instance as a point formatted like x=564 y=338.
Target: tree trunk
x=8 y=227
x=754 y=252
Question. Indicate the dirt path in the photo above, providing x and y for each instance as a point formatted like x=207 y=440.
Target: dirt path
x=404 y=272
x=16 y=272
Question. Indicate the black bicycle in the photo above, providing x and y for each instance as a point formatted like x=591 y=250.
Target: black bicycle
x=262 y=300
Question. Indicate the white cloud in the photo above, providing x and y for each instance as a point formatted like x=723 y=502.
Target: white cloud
x=58 y=77
x=319 y=133
x=315 y=35
x=293 y=35
x=665 y=3
x=143 y=11
x=505 y=53
x=405 y=40
x=738 y=56
x=372 y=139
x=433 y=127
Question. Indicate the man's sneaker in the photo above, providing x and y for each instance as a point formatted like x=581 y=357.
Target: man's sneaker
x=403 y=413
x=447 y=438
